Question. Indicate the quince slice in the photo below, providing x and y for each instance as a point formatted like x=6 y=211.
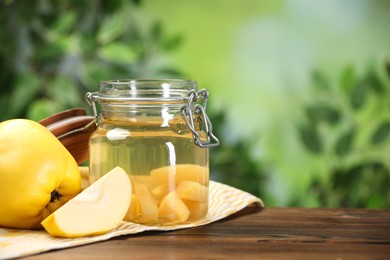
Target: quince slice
x=134 y=211
x=147 y=204
x=198 y=209
x=192 y=191
x=174 y=174
x=96 y=210
x=160 y=192
x=173 y=209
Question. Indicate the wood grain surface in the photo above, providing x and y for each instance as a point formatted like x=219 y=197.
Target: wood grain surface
x=270 y=233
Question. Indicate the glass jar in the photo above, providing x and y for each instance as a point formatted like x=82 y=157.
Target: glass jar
x=159 y=133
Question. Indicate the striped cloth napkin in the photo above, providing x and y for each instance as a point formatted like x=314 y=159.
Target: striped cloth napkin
x=224 y=200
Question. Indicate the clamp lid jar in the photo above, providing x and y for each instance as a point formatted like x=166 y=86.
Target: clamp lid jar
x=159 y=133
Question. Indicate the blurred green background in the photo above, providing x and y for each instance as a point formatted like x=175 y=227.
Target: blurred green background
x=300 y=89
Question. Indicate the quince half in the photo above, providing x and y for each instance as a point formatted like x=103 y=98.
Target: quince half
x=37 y=174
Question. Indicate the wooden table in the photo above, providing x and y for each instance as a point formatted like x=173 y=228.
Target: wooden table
x=270 y=233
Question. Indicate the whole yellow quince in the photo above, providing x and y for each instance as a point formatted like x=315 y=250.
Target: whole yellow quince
x=37 y=174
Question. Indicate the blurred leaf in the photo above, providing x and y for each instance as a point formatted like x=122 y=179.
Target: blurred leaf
x=42 y=108
x=4 y=107
x=118 y=52
x=26 y=89
x=64 y=23
x=54 y=49
x=387 y=67
x=366 y=181
x=7 y=2
x=381 y=133
x=322 y=112
x=137 y=2
x=64 y=92
x=112 y=5
x=48 y=52
x=92 y=72
x=363 y=88
x=376 y=200
x=359 y=94
x=319 y=80
x=347 y=79
x=170 y=72
x=310 y=138
x=234 y=158
x=88 y=44
x=344 y=143
x=156 y=31
x=113 y=27
x=173 y=42
x=374 y=83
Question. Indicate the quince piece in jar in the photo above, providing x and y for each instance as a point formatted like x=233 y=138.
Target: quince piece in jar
x=147 y=204
x=180 y=172
x=160 y=192
x=192 y=191
x=143 y=179
x=172 y=209
x=134 y=210
x=198 y=209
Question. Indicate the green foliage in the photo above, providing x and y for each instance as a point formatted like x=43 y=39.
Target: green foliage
x=347 y=127
x=232 y=162
x=52 y=52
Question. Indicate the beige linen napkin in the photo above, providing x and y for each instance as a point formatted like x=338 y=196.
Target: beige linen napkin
x=224 y=201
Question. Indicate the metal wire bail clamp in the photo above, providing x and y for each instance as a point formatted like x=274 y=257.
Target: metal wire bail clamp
x=200 y=109
x=91 y=97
